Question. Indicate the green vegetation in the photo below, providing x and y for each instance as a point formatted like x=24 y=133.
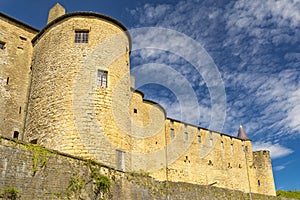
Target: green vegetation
x=288 y=194
x=103 y=183
x=9 y=193
x=37 y=152
x=75 y=186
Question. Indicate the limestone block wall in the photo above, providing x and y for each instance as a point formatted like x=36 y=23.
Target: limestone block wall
x=65 y=101
x=52 y=179
x=200 y=156
x=15 y=60
x=263 y=178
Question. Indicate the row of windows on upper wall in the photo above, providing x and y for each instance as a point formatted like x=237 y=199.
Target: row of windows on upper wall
x=186 y=136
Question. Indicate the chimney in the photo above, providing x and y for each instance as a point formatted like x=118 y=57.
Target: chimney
x=55 y=12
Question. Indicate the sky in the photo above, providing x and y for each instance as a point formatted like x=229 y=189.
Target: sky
x=229 y=62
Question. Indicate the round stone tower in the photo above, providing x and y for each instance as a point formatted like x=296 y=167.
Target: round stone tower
x=78 y=60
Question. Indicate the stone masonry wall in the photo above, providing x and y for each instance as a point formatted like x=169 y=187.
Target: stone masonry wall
x=38 y=173
x=15 y=60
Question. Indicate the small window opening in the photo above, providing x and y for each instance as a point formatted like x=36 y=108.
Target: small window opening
x=246 y=148
x=134 y=110
x=187 y=159
x=172 y=133
x=81 y=36
x=34 y=141
x=258 y=183
x=16 y=135
x=210 y=163
x=199 y=139
x=229 y=166
x=240 y=166
x=102 y=78
x=2 y=45
x=211 y=142
x=156 y=142
x=7 y=80
x=20 y=110
x=23 y=38
x=186 y=136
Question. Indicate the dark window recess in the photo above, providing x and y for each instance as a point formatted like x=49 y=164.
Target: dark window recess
x=16 y=135
x=258 y=182
x=199 y=139
x=210 y=163
x=2 y=45
x=156 y=142
x=20 y=110
x=102 y=78
x=23 y=38
x=7 y=80
x=81 y=36
x=34 y=141
x=134 y=110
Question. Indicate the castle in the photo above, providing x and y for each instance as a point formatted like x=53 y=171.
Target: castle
x=68 y=87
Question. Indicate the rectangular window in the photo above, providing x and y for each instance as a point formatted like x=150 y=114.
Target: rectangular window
x=172 y=133
x=102 y=78
x=81 y=36
x=2 y=45
x=186 y=136
x=199 y=139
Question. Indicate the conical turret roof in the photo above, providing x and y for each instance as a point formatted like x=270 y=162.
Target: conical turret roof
x=242 y=134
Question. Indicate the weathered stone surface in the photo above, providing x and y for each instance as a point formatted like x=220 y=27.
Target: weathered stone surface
x=54 y=172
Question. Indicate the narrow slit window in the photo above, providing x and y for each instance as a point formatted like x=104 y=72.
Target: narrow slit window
x=81 y=36
x=102 y=78
x=134 y=110
x=172 y=134
x=2 y=45
x=199 y=139
x=211 y=142
x=186 y=136
x=7 y=80
x=20 y=110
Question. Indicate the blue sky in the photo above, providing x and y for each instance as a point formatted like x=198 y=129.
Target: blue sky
x=254 y=45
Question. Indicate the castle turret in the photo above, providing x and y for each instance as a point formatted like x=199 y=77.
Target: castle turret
x=242 y=134
x=55 y=12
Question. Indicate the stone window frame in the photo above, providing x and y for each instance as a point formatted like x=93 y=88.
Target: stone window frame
x=2 y=45
x=172 y=133
x=81 y=36
x=102 y=76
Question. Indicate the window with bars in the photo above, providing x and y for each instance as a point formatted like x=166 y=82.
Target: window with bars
x=81 y=36
x=2 y=45
x=102 y=78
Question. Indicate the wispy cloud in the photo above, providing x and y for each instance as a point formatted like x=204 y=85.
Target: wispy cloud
x=255 y=45
x=276 y=150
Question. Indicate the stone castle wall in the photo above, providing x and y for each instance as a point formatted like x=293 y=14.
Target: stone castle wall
x=69 y=112
x=15 y=61
x=53 y=173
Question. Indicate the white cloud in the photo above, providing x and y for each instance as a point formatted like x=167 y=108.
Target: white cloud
x=276 y=150
x=278 y=168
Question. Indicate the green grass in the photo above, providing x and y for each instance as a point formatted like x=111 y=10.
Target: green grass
x=288 y=194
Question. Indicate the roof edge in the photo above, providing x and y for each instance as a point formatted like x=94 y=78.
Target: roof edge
x=19 y=22
x=92 y=14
